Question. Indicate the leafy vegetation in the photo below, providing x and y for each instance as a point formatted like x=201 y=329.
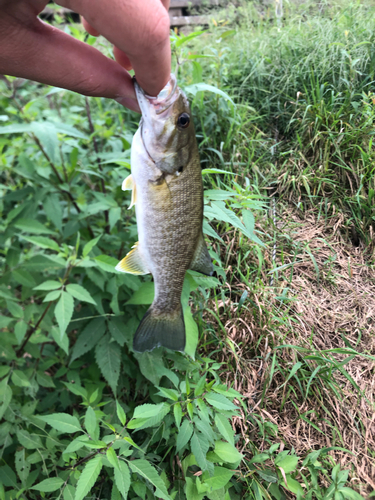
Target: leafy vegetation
x=258 y=409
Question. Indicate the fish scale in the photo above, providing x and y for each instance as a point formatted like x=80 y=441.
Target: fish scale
x=166 y=179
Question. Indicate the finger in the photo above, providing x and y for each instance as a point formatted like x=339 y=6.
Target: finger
x=92 y=31
x=122 y=58
x=45 y=54
x=140 y=28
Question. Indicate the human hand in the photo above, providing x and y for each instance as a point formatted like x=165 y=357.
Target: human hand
x=139 y=30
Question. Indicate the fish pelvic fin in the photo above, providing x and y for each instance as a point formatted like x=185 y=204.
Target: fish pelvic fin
x=133 y=263
x=129 y=184
x=201 y=261
x=160 y=330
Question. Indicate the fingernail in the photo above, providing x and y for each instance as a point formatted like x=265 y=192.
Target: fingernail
x=129 y=103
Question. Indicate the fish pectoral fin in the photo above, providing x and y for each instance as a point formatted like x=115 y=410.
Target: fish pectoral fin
x=127 y=185
x=133 y=263
x=201 y=261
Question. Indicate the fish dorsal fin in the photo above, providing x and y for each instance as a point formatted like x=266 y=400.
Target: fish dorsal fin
x=129 y=184
x=133 y=263
x=201 y=261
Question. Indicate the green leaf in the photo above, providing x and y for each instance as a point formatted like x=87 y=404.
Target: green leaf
x=44 y=380
x=115 y=494
x=53 y=210
x=184 y=434
x=24 y=277
x=259 y=458
x=219 y=401
x=22 y=465
x=8 y=477
x=288 y=464
x=50 y=484
x=227 y=452
x=191 y=491
x=90 y=422
x=206 y=429
x=75 y=445
x=112 y=458
x=191 y=333
x=108 y=358
x=43 y=242
x=69 y=492
x=224 y=428
x=349 y=493
x=199 y=448
x=120 y=331
x=122 y=479
x=144 y=469
x=5 y=396
x=62 y=422
x=61 y=342
x=177 y=411
x=88 y=477
x=152 y=366
x=294 y=486
x=221 y=478
x=76 y=389
x=64 y=311
x=144 y=295
x=80 y=293
x=199 y=388
x=32 y=226
x=88 y=337
x=20 y=379
x=90 y=245
x=107 y=263
x=168 y=393
x=120 y=413
x=201 y=87
x=48 y=285
x=51 y=296
x=148 y=415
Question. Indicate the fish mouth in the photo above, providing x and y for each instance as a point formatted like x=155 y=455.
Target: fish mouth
x=158 y=104
x=151 y=106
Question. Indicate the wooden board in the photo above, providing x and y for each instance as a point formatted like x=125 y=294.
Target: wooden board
x=194 y=3
x=189 y=21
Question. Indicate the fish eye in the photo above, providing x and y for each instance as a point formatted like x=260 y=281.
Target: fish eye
x=183 y=120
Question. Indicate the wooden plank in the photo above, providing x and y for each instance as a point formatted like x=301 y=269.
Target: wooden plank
x=175 y=12
x=189 y=20
x=61 y=11
x=194 y=3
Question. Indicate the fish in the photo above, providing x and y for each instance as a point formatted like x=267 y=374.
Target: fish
x=167 y=191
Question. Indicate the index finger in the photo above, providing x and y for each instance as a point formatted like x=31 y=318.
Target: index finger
x=140 y=28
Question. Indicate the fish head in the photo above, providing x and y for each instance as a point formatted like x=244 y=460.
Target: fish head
x=167 y=128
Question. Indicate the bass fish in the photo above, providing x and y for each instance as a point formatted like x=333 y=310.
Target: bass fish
x=167 y=191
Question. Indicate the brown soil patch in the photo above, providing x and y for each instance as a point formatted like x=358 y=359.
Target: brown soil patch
x=332 y=290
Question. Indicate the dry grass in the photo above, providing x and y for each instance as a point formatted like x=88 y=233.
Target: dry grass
x=331 y=287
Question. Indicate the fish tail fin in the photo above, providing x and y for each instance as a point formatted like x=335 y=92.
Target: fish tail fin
x=159 y=329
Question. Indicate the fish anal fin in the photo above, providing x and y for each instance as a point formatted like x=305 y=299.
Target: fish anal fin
x=129 y=184
x=160 y=330
x=133 y=263
x=201 y=261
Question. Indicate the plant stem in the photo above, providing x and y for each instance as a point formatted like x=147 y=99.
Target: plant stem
x=32 y=330
x=92 y=132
